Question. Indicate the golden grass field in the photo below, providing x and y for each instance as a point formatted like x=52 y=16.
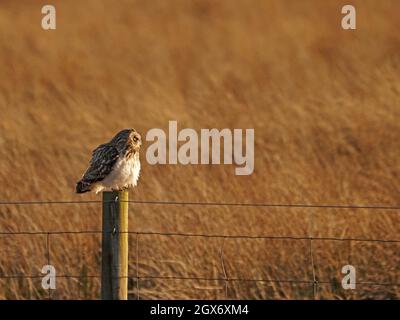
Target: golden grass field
x=324 y=103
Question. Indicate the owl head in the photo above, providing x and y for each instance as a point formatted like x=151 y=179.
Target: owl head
x=127 y=138
x=135 y=139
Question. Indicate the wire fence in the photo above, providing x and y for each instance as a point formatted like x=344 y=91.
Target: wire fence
x=314 y=282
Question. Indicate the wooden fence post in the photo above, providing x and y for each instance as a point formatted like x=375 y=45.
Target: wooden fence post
x=114 y=263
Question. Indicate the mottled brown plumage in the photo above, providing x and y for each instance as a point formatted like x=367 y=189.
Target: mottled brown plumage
x=114 y=165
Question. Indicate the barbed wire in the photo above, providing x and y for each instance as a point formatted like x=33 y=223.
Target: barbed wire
x=227 y=204
x=314 y=282
x=194 y=278
x=201 y=235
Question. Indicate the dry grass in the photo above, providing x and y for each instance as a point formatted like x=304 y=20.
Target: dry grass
x=324 y=103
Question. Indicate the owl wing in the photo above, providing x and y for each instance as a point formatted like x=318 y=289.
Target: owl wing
x=103 y=159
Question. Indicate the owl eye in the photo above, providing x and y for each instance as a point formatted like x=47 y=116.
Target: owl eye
x=135 y=139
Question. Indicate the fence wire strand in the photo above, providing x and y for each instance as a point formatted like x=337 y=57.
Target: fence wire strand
x=202 y=235
x=199 y=203
x=225 y=279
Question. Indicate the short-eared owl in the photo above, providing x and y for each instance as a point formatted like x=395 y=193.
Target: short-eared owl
x=114 y=165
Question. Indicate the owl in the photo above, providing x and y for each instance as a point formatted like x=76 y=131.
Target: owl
x=115 y=165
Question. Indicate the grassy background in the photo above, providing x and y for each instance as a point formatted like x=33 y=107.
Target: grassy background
x=324 y=103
